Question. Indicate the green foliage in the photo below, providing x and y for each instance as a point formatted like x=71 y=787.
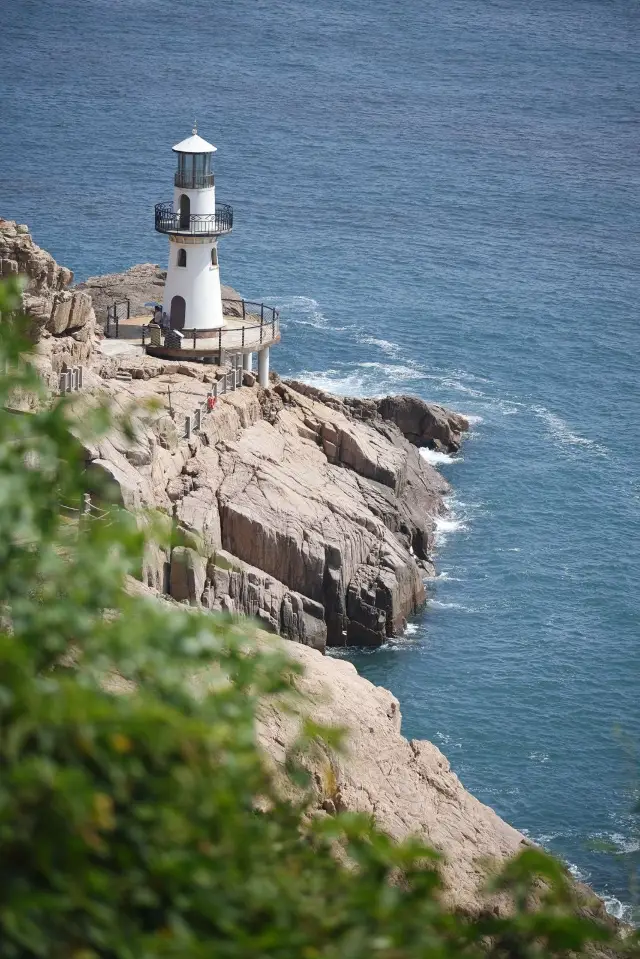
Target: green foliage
x=137 y=819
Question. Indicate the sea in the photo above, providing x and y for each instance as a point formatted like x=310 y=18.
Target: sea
x=442 y=199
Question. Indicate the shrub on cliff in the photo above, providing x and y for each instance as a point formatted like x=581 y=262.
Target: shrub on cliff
x=143 y=823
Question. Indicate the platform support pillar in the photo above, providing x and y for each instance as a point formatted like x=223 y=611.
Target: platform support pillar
x=263 y=367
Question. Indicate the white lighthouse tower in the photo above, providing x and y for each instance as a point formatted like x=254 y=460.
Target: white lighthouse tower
x=193 y=223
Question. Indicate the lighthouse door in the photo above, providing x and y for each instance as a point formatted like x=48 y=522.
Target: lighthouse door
x=185 y=211
x=178 y=309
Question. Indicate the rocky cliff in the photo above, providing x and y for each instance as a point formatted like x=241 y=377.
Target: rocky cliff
x=63 y=320
x=311 y=513
x=317 y=523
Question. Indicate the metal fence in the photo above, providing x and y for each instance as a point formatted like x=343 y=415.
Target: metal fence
x=119 y=310
x=265 y=329
x=227 y=383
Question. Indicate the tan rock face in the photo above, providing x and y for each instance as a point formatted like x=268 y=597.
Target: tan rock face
x=316 y=523
x=63 y=321
x=408 y=786
x=324 y=506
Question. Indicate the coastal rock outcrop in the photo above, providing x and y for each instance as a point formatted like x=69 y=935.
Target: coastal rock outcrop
x=63 y=320
x=408 y=786
x=313 y=514
x=317 y=524
x=423 y=424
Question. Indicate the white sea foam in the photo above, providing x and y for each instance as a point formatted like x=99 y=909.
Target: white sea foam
x=391 y=349
x=539 y=758
x=335 y=381
x=302 y=310
x=621 y=844
x=446 y=525
x=436 y=458
x=391 y=373
x=411 y=629
x=472 y=419
x=455 y=384
x=577 y=873
x=454 y=520
x=562 y=433
x=617 y=909
x=543 y=840
x=446 y=740
x=436 y=604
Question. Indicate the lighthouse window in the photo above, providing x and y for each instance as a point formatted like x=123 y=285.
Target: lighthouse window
x=214 y=257
x=182 y=257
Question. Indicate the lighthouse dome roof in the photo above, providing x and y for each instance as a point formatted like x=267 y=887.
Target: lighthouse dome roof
x=194 y=144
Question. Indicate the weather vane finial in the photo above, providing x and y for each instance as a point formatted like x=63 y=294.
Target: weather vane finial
x=195 y=127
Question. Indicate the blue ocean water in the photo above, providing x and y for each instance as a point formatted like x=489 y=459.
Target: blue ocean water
x=442 y=198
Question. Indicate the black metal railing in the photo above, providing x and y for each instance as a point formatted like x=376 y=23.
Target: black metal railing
x=193 y=181
x=244 y=308
x=201 y=224
x=263 y=329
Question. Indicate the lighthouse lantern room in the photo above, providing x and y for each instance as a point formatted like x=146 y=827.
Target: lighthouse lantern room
x=193 y=223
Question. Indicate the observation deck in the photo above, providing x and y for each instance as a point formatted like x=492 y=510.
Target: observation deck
x=195 y=224
x=248 y=327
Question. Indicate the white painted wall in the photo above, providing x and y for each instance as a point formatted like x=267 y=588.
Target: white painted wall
x=198 y=282
x=202 y=201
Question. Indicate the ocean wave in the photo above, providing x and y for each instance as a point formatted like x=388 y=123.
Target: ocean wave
x=392 y=349
x=455 y=384
x=362 y=379
x=472 y=419
x=411 y=629
x=436 y=458
x=543 y=840
x=577 y=873
x=449 y=523
x=446 y=740
x=539 y=758
x=619 y=844
x=436 y=604
x=393 y=372
x=560 y=431
x=618 y=909
x=444 y=575
x=303 y=311
x=335 y=381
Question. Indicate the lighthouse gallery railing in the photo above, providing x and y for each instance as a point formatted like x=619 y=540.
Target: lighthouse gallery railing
x=167 y=221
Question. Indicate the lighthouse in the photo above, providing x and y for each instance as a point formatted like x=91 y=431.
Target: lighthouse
x=201 y=325
x=193 y=224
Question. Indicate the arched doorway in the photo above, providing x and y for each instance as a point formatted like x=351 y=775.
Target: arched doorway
x=178 y=310
x=185 y=211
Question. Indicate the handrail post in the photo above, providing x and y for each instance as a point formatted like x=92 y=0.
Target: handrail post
x=194 y=339
x=244 y=310
x=220 y=345
x=243 y=336
x=261 y=331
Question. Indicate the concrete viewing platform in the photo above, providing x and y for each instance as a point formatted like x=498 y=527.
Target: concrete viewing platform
x=242 y=335
x=238 y=335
